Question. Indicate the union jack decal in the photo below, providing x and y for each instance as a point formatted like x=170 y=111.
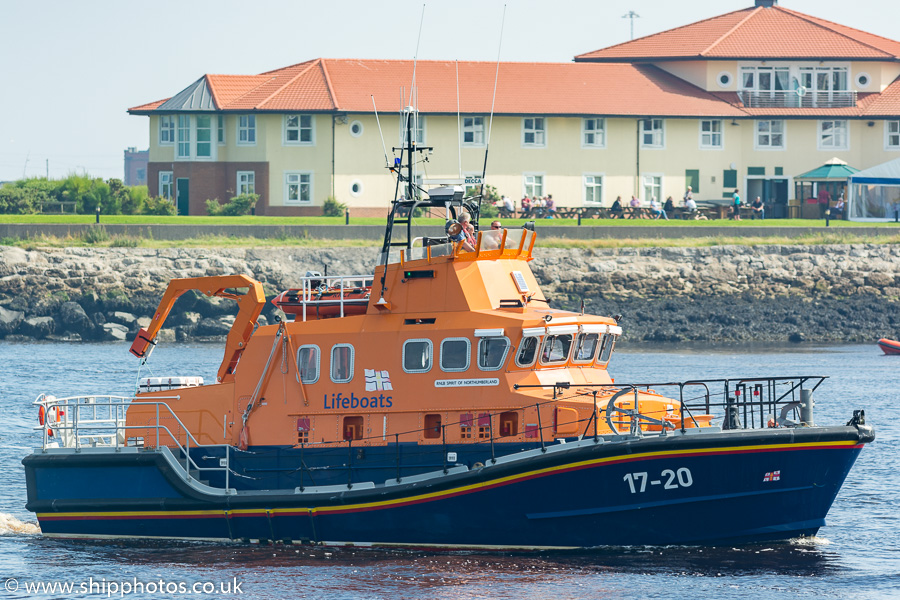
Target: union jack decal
x=377 y=380
x=773 y=476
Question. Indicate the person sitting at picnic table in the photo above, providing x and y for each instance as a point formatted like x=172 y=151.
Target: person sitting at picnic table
x=837 y=212
x=537 y=207
x=669 y=207
x=636 y=212
x=689 y=197
x=550 y=207
x=656 y=210
x=616 y=211
x=508 y=207
x=736 y=206
x=526 y=206
x=758 y=209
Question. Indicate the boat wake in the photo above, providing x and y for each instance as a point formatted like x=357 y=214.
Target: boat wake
x=810 y=541
x=9 y=525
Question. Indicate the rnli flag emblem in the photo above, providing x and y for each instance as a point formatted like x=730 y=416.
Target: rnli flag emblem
x=377 y=380
x=773 y=476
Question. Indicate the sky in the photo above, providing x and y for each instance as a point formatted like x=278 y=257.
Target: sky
x=69 y=70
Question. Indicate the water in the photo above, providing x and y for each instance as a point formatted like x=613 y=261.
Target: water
x=855 y=556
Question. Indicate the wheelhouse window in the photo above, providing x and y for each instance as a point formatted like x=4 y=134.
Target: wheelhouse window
x=534 y=185
x=184 y=136
x=297 y=188
x=833 y=135
x=593 y=132
x=308 y=363
x=711 y=133
x=166 y=130
x=246 y=130
x=341 y=363
x=455 y=354
x=298 y=129
x=246 y=182
x=492 y=353
x=607 y=342
x=166 y=183
x=204 y=136
x=473 y=131
x=770 y=135
x=585 y=347
x=534 y=132
x=652 y=134
x=527 y=351
x=593 y=189
x=417 y=356
x=353 y=428
x=556 y=348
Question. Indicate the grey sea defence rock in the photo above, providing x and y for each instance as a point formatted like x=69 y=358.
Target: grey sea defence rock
x=720 y=293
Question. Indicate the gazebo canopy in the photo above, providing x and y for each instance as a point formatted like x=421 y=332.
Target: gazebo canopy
x=833 y=170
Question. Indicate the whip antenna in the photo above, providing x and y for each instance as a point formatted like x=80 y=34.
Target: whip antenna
x=491 y=120
x=458 y=129
x=387 y=162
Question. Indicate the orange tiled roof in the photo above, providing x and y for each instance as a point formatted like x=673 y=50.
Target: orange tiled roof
x=754 y=33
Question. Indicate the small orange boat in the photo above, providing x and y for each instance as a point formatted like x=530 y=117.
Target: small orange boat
x=889 y=346
x=326 y=297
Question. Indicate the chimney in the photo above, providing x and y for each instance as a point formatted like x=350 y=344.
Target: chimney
x=766 y=3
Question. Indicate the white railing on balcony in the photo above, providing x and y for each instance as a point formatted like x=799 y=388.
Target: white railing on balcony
x=799 y=98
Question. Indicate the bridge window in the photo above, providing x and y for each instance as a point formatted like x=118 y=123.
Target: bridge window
x=606 y=348
x=308 y=363
x=527 y=351
x=492 y=353
x=432 y=426
x=341 y=363
x=556 y=349
x=417 y=356
x=455 y=354
x=353 y=428
x=585 y=347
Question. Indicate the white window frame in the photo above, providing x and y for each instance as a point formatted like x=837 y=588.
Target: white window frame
x=657 y=132
x=183 y=137
x=249 y=182
x=468 y=354
x=892 y=130
x=475 y=129
x=167 y=127
x=246 y=129
x=539 y=133
x=593 y=184
x=318 y=363
x=525 y=184
x=220 y=130
x=503 y=359
x=709 y=143
x=756 y=134
x=430 y=355
x=288 y=183
x=598 y=131
x=299 y=128
x=197 y=141
x=331 y=363
x=645 y=197
x=839 y=133
x=170 y=184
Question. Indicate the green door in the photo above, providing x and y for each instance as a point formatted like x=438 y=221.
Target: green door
x=182 y=196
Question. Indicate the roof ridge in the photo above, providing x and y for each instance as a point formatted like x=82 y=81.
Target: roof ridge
x=287 y=83
x=820 y=24
x=750 y=15
x=331 y=91
x=212 y=92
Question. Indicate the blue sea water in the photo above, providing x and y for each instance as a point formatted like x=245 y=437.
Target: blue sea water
x=857 y=555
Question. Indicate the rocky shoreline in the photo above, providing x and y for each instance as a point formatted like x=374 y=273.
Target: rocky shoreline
x=833 y=293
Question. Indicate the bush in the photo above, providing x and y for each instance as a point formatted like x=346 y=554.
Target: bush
x=95 y=235
x=19 y=201
x=134 y=199
x=333 y=208
x=158 y=206
x=239 y=205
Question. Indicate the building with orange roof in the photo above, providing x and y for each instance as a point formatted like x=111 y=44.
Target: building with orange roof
x=744 y=100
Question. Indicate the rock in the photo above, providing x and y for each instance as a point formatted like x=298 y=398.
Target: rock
x=166 y=335
x=9 y=320
x=123 y=318
x=73 y=318
x=38 y=327
x=114 y=331
x=213 y=327
x=144 y=322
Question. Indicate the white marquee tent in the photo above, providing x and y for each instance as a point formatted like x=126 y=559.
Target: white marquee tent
x=875 y=193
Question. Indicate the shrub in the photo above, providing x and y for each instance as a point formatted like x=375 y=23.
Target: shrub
x=239 y=205
x=121 y=241
x=158 y=206
x=134 y=199
x=21 y=200
x=333 y=208
x=95 y=235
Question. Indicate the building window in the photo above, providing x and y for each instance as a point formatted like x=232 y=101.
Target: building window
x=297 y=188
x=184 y=136
x=417 y=356
x=824 y=79
x=711 y=133
x=652 y=187
x=341 y=363
x=220 y=129
x=204 y=136
x=455 y=354
x=166 y=130
x=308 y=363
x=534 y=132
x=356 y=128
x=418 y=127
x=298 y=129
x=246 y=130
x=765 y=79
x=534 y=185
x=892 y=135
x=166 y=181
x=593 y=189
x=652 y=133
x=770 y=134
x=246 y=182
x=492 y=353
x=833 y=135
x=593 y=133
x=473 y=131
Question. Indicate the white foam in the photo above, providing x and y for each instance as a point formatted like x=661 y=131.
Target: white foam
x=9 y=525
x=810 y=541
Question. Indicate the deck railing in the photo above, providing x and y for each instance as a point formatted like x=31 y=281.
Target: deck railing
x=800 y=98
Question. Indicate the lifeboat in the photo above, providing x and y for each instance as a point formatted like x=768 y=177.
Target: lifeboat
x=889 y=346
x=327 y=303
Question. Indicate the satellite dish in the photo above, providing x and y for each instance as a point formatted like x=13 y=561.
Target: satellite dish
x=801 y=91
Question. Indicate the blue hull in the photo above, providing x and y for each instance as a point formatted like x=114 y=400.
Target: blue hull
x=740 y=486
